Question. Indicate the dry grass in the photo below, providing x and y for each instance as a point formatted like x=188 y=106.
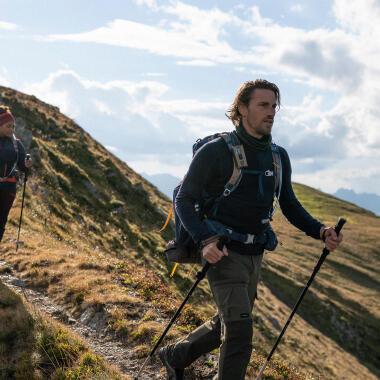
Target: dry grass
x=34 y=346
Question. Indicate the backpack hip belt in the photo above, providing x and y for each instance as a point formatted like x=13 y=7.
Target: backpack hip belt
x=220 y=229
x=6 y=179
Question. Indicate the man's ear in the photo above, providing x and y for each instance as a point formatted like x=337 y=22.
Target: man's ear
x=243 y=109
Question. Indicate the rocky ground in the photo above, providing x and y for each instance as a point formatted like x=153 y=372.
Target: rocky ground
x=89 y=326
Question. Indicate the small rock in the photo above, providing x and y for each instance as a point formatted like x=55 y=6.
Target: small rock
x=86 y=316
x=71 y=321
x=17 y=282
x=275 y=323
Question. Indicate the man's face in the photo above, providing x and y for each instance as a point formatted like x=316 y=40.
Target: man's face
x=258 y=116
x=6 y=129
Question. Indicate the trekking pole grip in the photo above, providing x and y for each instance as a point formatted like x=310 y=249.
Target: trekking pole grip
x=337 y=230
x=220 y=244
x=27 y=157
x=339 y=225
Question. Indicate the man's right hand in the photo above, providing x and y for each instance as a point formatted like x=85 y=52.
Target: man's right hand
x=212 y=254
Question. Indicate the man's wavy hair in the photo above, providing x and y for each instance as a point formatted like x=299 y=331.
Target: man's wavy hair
x=244 y=95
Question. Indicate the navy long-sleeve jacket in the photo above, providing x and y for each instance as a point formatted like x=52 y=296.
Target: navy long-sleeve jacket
x=8 y=157
x=245 y=209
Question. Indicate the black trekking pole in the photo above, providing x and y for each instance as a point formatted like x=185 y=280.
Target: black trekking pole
x=200 y=276
x=325 y=252
x=22 y=203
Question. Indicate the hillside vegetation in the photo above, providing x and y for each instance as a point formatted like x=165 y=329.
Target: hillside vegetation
x=92 y=242
x=35 y=347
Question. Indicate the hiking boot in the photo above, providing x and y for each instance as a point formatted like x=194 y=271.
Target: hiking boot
x=171 y=372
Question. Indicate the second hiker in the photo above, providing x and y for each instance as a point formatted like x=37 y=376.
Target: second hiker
x=12 y=156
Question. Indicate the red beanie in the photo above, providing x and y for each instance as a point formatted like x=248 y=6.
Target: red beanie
x=5 y=117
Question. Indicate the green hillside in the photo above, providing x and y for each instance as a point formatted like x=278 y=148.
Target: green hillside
x=91 y=239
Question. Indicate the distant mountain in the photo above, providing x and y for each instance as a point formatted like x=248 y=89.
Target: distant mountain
x=369 y=201
x=163 y=181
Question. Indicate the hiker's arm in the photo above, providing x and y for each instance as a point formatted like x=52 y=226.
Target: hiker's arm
x=291 y=207
x=202 y=170
x=21 y=156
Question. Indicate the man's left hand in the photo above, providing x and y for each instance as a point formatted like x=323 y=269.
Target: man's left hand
x=331 y=239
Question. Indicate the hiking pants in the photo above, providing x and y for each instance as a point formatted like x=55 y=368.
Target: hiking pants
x=233 y=282
x=7 y=196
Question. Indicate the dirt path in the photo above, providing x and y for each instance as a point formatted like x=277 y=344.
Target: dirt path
x=114 y=351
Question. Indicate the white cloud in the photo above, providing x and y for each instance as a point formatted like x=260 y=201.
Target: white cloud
x=176 y=41
x=196 y=62
x=155 y=74
x=154 y=165
x=353 y=174
x=317 y=57
x=112 y=149
x=150 y=3
x=102 y=107
x=343 y=60
x=153 y=134
x=8 y=25
x=296 y=8
x=3 y=77
x=132 y=118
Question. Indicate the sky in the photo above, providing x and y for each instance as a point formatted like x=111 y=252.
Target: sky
x=146 y=78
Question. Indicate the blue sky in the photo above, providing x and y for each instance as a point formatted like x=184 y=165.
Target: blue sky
x=146 y=78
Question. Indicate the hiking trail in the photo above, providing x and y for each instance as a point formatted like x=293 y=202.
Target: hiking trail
x=111 y=349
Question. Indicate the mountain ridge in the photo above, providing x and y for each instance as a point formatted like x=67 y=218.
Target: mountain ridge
x=369 y=201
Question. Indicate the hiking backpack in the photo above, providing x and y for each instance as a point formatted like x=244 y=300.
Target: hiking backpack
x=9 y=178
x=183 y=249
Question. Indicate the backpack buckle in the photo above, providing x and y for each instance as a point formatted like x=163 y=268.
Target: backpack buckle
x=226 y=192
x=268 y=173
x=250 y=239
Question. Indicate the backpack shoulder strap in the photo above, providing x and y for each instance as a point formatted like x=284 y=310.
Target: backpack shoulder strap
x=277 y=168
x=236 y=149
x=239 y=161
x=15 y=144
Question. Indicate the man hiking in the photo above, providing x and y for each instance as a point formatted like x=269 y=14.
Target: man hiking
x=243 y=212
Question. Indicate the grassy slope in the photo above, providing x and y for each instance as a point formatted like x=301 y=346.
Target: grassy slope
x=35 y=347
x=342 y=303
x=89 y=219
